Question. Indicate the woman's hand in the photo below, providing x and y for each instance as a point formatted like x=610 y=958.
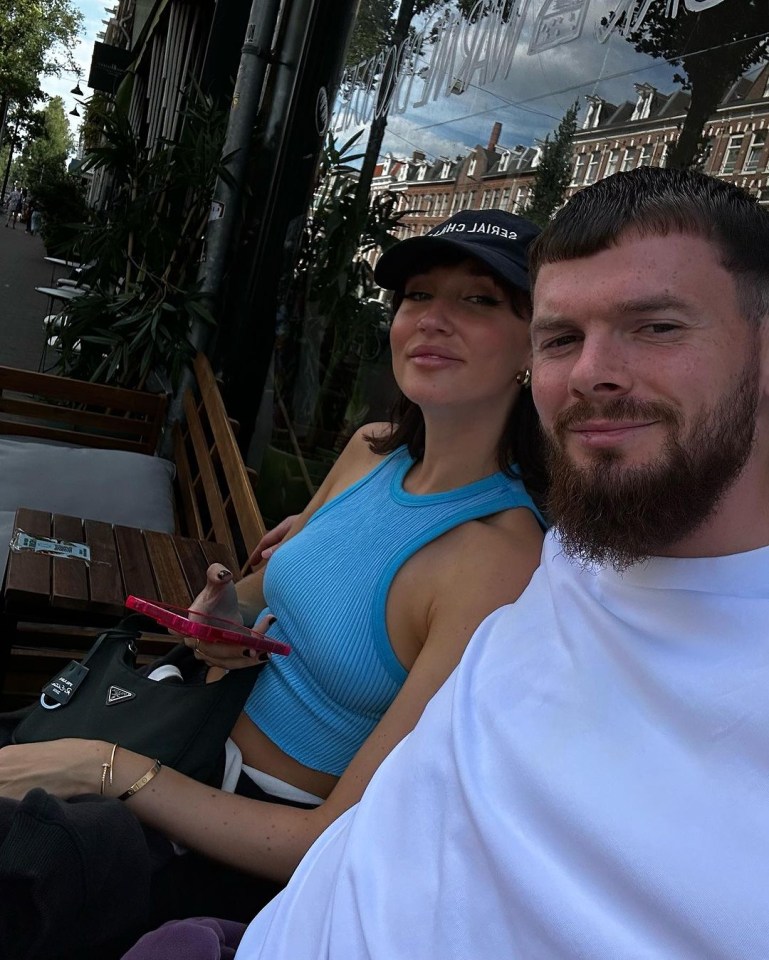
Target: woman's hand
x=65 y=768
x=218 y=598
x=228 y=656
x=271 y=541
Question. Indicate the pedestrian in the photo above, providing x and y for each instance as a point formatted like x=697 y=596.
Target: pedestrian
x=35 y=220
x=15 y=202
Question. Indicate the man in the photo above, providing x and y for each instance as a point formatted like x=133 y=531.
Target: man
x=593 y=779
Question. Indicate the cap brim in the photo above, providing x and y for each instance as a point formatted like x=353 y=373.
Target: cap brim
x=400 y=262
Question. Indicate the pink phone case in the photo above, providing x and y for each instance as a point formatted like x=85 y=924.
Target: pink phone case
x=213 y=630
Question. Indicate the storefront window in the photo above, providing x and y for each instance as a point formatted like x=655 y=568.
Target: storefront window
x=478 y=96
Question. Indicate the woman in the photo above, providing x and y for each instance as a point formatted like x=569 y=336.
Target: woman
x=420 y=530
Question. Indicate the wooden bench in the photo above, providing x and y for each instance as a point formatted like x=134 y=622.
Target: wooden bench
x=216 y=513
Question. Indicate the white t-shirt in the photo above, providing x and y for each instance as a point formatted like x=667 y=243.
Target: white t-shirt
x=591 y=782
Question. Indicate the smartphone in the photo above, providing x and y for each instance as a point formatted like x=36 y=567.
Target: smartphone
x=206 y=628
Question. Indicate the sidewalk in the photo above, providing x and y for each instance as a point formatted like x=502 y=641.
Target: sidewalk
x=22 y=309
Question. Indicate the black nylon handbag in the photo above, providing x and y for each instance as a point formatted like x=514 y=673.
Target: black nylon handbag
x=184 y=724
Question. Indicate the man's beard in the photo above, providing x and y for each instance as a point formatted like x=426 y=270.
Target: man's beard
x=608 y=513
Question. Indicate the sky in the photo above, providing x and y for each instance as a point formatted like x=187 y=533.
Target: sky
x=93 y=11
x=529 y=102
x=533 y=98
x=540 y=87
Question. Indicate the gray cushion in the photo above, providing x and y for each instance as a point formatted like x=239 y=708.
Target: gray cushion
x=116 y=486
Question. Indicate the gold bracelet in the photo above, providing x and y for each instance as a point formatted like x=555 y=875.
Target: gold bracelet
x=142 y=781
x=106 y=771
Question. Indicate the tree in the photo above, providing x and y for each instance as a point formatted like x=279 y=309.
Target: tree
x=554 y=170
x=373 y=27
x=407 y=10
x=37 y=38
x=48 y=142
x=725 y=40
x=23 y=123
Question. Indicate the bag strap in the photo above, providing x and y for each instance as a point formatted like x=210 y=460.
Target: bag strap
x=128 y=630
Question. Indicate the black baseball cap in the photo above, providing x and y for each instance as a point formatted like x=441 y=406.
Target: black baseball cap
x=498 y=239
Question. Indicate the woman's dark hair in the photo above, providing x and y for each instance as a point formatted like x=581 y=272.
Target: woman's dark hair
x=521 y=441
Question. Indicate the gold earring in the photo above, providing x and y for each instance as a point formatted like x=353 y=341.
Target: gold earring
x=523 y=377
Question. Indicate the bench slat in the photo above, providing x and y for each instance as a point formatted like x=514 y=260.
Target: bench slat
x=207 y=475
x=172 y=585
x=107 y=591
x=240 y=489
x=193 y=525
x=32 y=576
x=134 y=563
x=69 y=578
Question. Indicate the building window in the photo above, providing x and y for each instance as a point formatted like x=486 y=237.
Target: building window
x=486 y=200
x=579 y=168
x=644 y=101
x=505 y=202
x=471 y=168
x=647 y=152
x=520 y=199
x=421 y=172
x=733 y=148
x=592 y=167
x=629 y=160
x=665 y=154
x=755 y=150
x=403 y=172
x=446 y=170
x=504 y=161
x=611 y=163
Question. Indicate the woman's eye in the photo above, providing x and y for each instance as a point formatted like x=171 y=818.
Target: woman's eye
x=417 y=295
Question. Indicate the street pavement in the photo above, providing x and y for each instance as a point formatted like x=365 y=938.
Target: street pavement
x=22 y=308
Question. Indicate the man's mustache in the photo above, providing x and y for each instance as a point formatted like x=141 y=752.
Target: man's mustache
x=615 y=408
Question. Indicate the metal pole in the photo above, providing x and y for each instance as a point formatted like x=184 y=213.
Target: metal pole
x=227 y=193
x=302 y=85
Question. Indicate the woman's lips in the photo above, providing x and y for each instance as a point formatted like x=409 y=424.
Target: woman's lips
x=433 y=357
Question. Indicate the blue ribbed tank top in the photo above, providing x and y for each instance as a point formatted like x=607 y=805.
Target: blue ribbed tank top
x=328 y=588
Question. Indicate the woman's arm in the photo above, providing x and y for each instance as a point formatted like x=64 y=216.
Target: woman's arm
x=490 y=569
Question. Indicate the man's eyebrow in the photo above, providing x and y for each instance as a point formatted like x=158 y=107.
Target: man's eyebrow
x=648 y=304
x=550 y=323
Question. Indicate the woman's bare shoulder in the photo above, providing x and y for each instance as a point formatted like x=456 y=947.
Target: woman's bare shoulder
x=355 y=461
x=358 y=448
x=495 y=555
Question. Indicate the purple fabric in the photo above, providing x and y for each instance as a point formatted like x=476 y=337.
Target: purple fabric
x=199 y=938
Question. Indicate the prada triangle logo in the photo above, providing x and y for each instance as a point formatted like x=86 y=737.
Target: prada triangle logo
x=117 y=694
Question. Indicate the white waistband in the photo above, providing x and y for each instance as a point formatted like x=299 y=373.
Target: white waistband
x=277 y=788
